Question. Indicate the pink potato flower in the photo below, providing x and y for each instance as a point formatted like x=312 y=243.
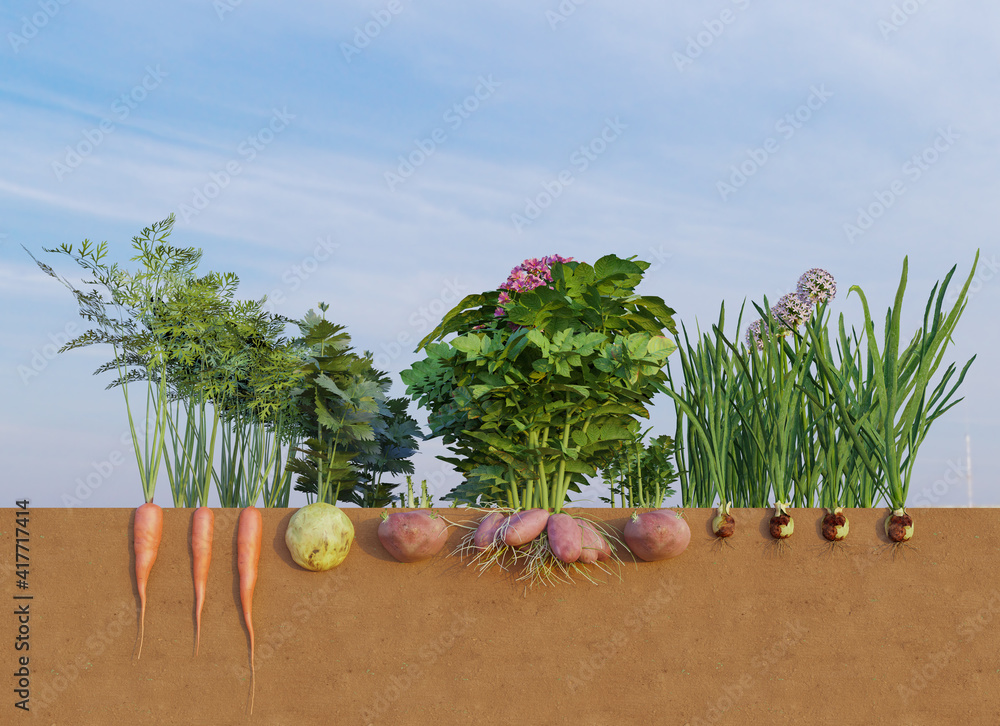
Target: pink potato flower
x=527 y=276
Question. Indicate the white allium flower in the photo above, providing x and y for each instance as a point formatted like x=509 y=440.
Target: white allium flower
x=816 y=286
x=754 y=335
x=792 y=310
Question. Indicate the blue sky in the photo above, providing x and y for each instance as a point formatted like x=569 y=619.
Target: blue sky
x=389 y=157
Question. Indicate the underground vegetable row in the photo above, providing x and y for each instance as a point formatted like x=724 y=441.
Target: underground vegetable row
x=550 y=545
x=147 y=533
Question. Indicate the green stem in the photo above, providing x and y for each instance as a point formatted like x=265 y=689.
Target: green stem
x=539 y=468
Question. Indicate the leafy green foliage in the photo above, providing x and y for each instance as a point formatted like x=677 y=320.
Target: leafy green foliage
x=199 y=351
x=211 y=362
x=836 y=419
x=124 y=312
x=845 y=479
x=888 y=407
x=232 y=355
x=707 y=404
x=772 y=380
x=396 y=434
x=534 y=401
x=354 y=434
x=756 y=426
x=640 y=474
x=338 y=403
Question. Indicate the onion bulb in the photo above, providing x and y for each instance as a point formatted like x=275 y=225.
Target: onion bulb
x=835 y=525
x=724 y=525
x=782 y=525
x=899 y=526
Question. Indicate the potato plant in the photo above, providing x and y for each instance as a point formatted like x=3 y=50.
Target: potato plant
x=535 y=399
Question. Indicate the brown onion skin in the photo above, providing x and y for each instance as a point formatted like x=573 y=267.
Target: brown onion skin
x=897 y=527
x=777 y=522
x=830 y=523
x=727 y=528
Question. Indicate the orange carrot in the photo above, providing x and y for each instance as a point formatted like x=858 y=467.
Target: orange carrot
x=248 y=540
x=202 y=526
x=146 y=533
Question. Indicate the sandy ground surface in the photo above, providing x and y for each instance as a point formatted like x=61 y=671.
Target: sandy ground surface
x=745 y=633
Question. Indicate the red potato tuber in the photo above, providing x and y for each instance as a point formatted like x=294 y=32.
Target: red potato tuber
x=524 y=526
x=593 y=546
x=486 y=532
x=412 y=536
x=565 y=537
x=658 y=535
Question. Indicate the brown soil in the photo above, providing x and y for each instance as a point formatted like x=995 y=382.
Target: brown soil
x=733 y=631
